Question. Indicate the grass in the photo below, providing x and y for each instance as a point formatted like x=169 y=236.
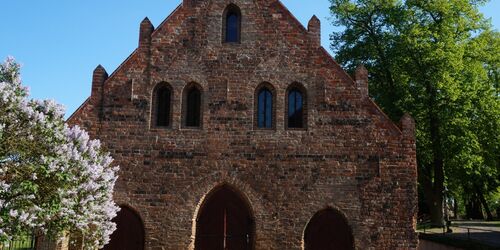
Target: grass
x=23 y=243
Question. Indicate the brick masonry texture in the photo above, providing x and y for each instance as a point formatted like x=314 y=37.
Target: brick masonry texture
x=350 y=156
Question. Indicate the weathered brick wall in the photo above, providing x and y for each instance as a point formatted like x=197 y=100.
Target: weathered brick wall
x=351 y=156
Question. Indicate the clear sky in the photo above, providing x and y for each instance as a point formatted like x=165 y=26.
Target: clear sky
x=59 y=43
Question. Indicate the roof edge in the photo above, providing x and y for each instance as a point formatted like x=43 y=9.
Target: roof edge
x=78 y=109
x=299 y=24
x=349 y=78
x=386 y=116
x=165 y=21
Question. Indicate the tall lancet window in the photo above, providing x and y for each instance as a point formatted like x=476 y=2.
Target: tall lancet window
x=296 y=110
x=232 y=25
x=192 y=105
x=162 y=105
x=265 y=109
x=265 y=106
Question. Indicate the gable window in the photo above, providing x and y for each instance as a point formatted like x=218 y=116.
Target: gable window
x=192 y=106
x=296 y=100
x=265 y=108
x=232 y=23
x=162 y=105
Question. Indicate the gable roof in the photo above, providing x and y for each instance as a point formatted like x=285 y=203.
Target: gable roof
x=168 y=22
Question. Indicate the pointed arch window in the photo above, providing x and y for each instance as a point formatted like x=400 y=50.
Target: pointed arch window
x=296 y=107
x=265 y=108
x=162 y=105
x=232 y=24
x=192 y=106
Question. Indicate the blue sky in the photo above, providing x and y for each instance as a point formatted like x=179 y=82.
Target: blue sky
x=59 y=43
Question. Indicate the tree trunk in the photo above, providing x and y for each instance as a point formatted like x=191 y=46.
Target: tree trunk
x=436 y=207
x=489 y=215
x=455 y=209
x=434 y=202
x=473 y=208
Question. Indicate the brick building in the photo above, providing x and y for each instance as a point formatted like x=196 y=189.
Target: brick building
x=235 y=129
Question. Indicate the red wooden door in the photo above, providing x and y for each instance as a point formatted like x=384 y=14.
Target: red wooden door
x=224 y=223
x=328 y=230
x=129 y=234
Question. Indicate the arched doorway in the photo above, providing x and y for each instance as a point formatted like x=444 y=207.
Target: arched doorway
x=328 y=230
x=224 y=222
x=129 y=233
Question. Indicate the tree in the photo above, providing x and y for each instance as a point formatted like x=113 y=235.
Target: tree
x=439 y=61
x=53 y=178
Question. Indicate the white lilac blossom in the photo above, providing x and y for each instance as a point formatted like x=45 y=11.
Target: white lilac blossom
x=53 y=178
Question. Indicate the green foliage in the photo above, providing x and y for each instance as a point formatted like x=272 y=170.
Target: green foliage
x=439 y=61
x=494 y=200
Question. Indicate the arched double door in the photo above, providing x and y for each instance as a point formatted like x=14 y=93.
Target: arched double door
x=224 y=222
x=328 y=230
x=129 y=233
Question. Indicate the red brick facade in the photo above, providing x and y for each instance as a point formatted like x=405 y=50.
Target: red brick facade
x=349 y=156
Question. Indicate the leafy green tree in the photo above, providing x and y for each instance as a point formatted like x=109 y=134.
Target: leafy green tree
x=439 y=61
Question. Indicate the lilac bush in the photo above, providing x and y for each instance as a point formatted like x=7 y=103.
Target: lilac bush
x=53 y=178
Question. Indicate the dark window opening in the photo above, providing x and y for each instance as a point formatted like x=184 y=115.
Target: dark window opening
x=328 y=229
x=193 y=107
x=265 y=109
x=233 y=25
x=163 y=96
x=224 y=222
x=295 y=109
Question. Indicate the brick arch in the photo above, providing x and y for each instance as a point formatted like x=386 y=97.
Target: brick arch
x=334 y=198
x=240 y=219
x=130 y=232
x=196 y=194
x=334 y=218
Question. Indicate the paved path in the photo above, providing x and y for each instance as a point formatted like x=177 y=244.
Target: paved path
x=487 y=232
x=484 y=231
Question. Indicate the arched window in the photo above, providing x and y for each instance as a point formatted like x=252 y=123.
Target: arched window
x=232 y=24
x=265 y=108
x=162 y=105
x=225 y=221
x=328 y=229
x=296 y=110
x=129 y=233
x=192 y=106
